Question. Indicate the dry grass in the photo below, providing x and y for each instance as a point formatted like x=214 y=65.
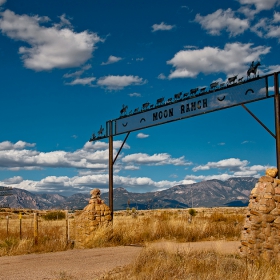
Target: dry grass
x=145 y=227
x=168 y=225
x=159 y=264
x=51 y=238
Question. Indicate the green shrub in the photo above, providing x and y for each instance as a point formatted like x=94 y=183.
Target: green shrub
x=192 y=212
x=54 y=215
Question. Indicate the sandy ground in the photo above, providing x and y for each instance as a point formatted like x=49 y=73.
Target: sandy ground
x=91 y=263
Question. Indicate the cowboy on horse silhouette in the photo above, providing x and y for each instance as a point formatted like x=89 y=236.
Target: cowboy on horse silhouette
x=253 y=69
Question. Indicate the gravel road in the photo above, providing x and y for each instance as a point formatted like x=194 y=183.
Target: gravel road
x=89 y=263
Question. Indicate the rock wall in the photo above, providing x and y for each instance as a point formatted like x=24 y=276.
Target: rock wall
x=95 y=214
x=261 y=233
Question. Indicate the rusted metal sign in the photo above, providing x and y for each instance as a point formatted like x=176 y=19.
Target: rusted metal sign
x=204 y=103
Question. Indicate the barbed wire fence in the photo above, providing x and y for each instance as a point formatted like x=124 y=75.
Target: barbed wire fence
x=40 y=227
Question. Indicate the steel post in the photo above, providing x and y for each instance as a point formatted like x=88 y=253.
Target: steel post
x=111 y=183
x=277 y=120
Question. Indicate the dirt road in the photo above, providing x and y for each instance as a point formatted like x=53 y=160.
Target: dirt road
x=90 y=263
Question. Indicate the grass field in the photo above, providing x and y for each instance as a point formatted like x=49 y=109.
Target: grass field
x=155 y=264
x=143 y=228
x=128 y=228
x=154 y=225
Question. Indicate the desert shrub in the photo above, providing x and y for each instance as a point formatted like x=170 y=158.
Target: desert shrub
x=54 y=215
x=192 y=212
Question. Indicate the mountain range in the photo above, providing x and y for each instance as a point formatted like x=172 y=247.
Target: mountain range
x=213 y=193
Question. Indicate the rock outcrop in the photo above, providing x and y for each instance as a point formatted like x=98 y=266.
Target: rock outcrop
x=261 y=234
x=95 y=214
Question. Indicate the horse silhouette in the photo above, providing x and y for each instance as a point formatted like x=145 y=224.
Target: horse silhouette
x=253 y=69
x=123 y=110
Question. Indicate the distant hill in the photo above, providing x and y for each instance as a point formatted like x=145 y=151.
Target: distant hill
x=213 y=193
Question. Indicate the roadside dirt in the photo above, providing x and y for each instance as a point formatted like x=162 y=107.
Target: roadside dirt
x=91 y=263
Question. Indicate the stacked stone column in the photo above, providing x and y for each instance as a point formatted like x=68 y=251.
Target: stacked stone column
x=95 y=214
x=261 y=233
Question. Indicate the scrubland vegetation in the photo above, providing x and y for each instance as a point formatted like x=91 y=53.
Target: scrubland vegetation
x=128 y=228
x=169 y=225
x=160 y=264
x=18 y=239
x=142 y=228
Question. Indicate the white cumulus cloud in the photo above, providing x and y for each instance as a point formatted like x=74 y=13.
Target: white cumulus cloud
x=111 y=59
x=234 y=58
x=49 y=47
x=156 y=159
x=119 y=82
x=162 y=27
x=13 y=180
x=142 y=135
x=70 y=185
x=135 y=94
x=90 y=156
x=221 y=20
x=234 y=166
x=7 y=145
x=82 y=81
x=260 y=4
x=231 y=164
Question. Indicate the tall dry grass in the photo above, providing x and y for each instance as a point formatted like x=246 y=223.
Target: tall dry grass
x=168 y=225
x=159 y=264
x=51 y=238
x=145 y=227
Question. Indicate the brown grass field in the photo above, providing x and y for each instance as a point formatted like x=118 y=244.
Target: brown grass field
x=144 y=228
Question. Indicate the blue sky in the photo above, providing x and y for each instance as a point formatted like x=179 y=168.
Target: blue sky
x=68 y=66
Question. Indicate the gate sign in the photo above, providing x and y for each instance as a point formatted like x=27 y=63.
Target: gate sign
x=212 y=101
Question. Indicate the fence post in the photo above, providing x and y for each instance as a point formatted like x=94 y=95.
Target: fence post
x=67 y=226
x=7 y=217
x=20 y=233
x=36 y=228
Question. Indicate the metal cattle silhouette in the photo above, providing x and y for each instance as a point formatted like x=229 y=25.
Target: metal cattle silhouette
x=232 y=79
x=100 y=132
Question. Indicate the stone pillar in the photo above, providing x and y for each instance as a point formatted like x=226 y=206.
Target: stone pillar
x=95 y=214
x=260 y=236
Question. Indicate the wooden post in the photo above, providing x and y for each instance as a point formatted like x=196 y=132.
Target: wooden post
x=7 y=217
x=20 y=233
x=67 y=233
x=35 y=228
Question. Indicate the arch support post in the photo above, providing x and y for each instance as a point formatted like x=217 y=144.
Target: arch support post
x=111 y=202
x=277 y=120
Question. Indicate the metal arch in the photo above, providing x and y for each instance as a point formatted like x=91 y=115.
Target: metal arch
x=111 y=127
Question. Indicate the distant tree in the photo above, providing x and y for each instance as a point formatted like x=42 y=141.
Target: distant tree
x=192 y=213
